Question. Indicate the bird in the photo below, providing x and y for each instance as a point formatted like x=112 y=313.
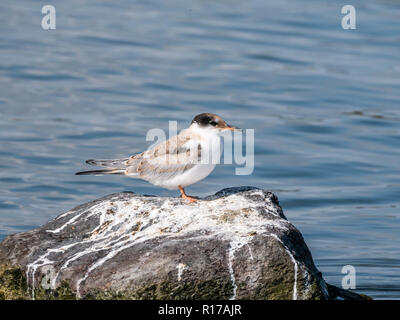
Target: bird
x=176 y=163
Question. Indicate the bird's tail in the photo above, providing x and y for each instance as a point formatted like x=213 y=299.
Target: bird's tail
x=100 y=172
x=115 y=166
x=110 y=163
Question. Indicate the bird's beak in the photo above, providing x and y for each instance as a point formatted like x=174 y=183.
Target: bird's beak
x=231 y=128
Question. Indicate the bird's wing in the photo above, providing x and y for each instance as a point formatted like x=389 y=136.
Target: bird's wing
x=168 y=159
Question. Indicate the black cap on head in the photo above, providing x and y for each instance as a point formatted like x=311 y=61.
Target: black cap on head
x=213 y=121
x=209 y=119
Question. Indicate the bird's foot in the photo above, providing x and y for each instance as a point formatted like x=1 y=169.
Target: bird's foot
x=189 y=198
x=185 y=196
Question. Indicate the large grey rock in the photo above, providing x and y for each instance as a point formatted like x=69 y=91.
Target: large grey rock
x=236 y=244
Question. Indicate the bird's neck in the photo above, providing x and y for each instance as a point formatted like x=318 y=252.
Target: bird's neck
x=206 y=134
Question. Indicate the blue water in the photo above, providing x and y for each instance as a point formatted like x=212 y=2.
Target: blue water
x=324 y=103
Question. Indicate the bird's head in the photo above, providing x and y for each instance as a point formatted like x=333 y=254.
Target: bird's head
x=212 y=122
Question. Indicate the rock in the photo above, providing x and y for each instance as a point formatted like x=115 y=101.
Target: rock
x=236 y=244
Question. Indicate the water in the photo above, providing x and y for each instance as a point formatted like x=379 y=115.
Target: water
x=324 y=103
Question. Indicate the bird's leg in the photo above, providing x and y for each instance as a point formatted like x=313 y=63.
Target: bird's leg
x=185 y=196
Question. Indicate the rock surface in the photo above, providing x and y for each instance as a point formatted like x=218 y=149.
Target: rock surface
x=236 y=244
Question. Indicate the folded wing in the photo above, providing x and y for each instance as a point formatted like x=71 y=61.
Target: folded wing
x=166 y=160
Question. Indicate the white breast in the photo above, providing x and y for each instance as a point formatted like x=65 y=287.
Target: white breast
x=210 y=156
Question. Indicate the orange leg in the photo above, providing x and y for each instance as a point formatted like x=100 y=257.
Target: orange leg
x=185 y=196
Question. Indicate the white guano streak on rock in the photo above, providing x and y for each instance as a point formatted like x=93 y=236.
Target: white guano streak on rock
x=95 y=210
x=181 y=267
x=250 y=252
x=139 y=219
x=234 y=246
x=294 y=297
x=40 y=262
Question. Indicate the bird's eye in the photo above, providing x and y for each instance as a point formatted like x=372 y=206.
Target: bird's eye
x=213 y=123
